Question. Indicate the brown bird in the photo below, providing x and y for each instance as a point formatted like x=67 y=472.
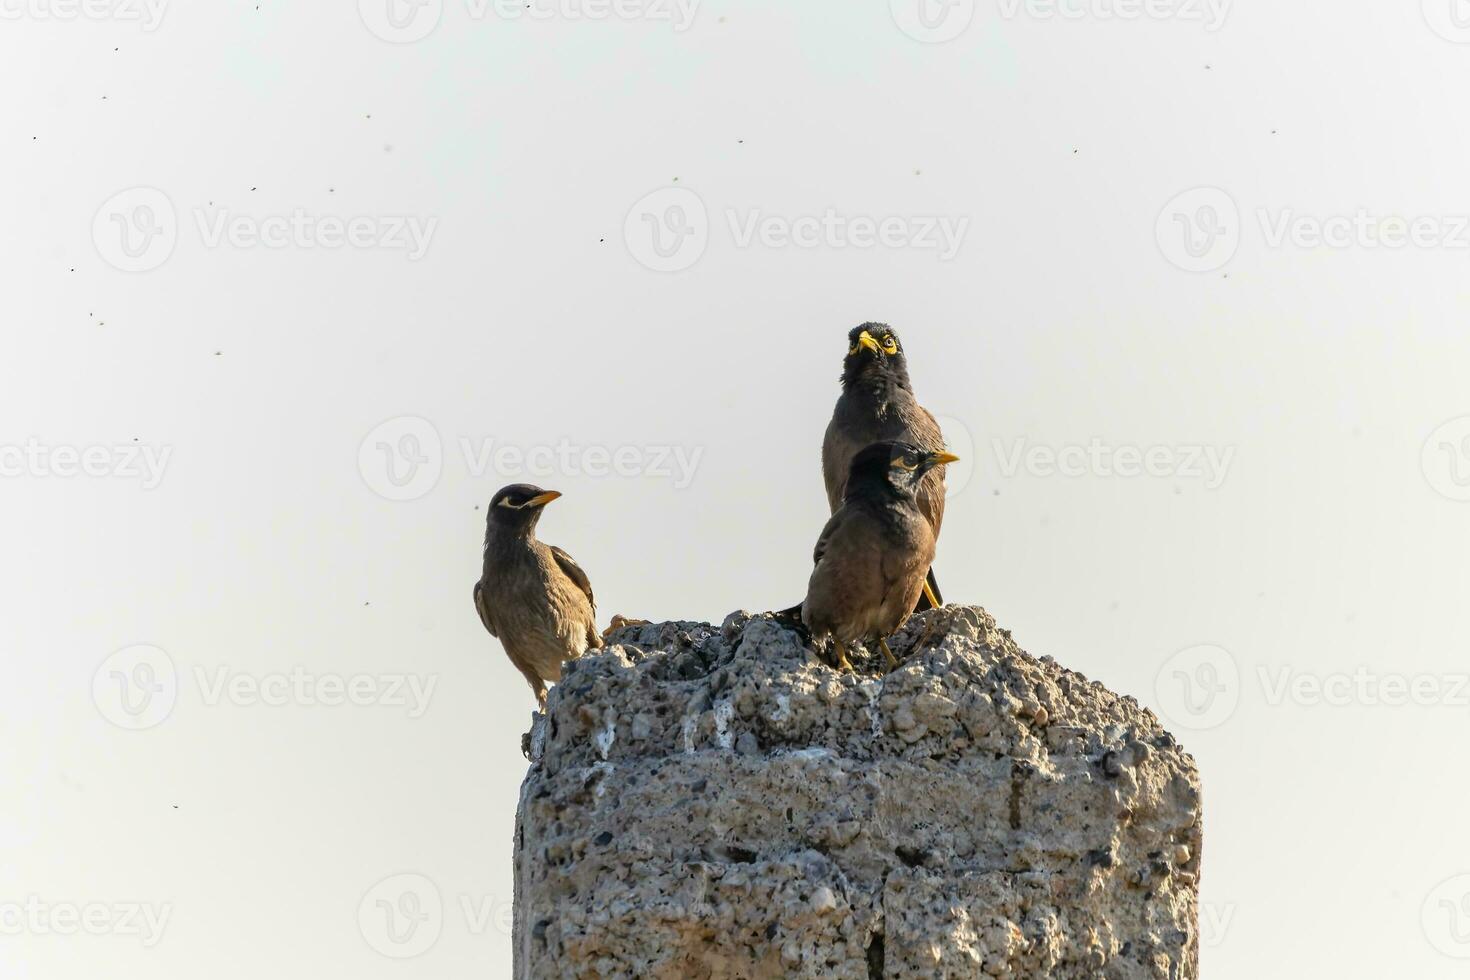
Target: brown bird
x=532 y=596
x=874 y=552
x=877 y=404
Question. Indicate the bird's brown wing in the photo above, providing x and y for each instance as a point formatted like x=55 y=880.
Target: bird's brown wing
x=926 y=434
x=825 y=538
x=484 y=611
x=574 y=572
x=838 y=449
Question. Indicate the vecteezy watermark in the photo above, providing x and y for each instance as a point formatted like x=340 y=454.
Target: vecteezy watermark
x=1450 y=19
x=401 y=916
x=137 y=688
x=1363 y=229
x=404 y=915
x=401 y=21
x=1363 y=687
x=406 y=21
x=1445 y=459
x=1209 y=464
x=34 y=916
x=1210 y=13
x=1215 y=920
x=147 y=14
x=125 y=461
x=137 y=230
x=1446 y=917
x=669 y=230
x=932 y=21
x=566 y=458
x=402 y=459
x=300 y=687
x=1198 y=688
x=940 y=234
x=1199 y=229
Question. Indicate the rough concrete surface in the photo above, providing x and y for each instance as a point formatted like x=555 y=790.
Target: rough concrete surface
x=718 y=803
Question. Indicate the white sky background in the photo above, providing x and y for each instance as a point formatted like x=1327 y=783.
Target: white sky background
x=1335 y=836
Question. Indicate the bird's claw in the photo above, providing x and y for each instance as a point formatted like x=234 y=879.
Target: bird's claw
x=620 y=621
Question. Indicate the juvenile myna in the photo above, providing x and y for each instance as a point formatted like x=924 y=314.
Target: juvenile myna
x=532 y=595
x=877 y=404
x=874 y=552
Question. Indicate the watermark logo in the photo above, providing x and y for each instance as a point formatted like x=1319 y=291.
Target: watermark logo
x=667 y=230
x=932 y=21
x=1199 y=230
x=136 y=687
x=148 y=14
x=958 y=440
x=1445 y=459
x=401 y=916
x=401 y=21
x=1450 y=19
x=402 y=459
x=1446 y=917
x=136 y=230
x=1199 y=687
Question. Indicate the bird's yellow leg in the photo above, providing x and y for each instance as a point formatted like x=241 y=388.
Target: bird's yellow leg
x=929 y=594
x=842 y=661
x=888 y=654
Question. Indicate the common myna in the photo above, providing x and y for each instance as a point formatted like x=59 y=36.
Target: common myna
x=874 y=552
x=877 y=404
x=532 y=595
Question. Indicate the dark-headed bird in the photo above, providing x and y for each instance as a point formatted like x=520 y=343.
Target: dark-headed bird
x=875 y=551
x=877 y=404
x=532 y=596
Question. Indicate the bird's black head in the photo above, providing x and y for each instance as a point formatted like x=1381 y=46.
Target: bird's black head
x=518 y=506
x=874 y=355
x=892 y=468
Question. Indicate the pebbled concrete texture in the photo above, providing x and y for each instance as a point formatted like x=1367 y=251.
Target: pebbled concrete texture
x=716 y=802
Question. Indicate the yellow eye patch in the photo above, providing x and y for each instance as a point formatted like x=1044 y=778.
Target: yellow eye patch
x=904 y=462
x=890 y=346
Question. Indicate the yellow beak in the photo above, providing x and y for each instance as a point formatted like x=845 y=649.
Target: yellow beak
x=541 y=500
x=943 y=458
x=865 y=339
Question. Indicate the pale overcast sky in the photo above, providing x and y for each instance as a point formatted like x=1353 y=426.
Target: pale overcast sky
x=291 y=289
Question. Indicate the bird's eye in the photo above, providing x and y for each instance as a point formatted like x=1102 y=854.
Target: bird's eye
x=908 y=461
x=890 y=346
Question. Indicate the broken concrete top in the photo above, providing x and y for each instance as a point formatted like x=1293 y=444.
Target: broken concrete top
x=717 y=802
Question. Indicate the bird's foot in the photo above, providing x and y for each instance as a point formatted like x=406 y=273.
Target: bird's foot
x=842 y=662
x=618 y=622
x=888 y=654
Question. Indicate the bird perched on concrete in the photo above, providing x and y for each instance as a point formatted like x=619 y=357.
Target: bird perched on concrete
x=874 y=552
x=532 y=596
x=877 y=404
